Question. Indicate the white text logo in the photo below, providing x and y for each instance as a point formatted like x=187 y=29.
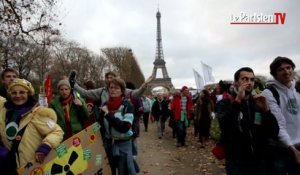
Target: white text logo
x=258 y=18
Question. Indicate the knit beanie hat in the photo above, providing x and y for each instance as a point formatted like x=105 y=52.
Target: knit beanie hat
x=21 y=82
x=184 y=88
x=63 y=82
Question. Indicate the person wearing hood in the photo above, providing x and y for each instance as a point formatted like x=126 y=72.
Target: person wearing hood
x=284 y=152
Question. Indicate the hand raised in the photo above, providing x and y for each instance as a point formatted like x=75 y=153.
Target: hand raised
x=261 y=102
x=72 y=78
x=77 y=102
x=149 y=80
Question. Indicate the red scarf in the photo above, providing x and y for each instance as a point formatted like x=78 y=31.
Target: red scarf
x=114 y=104
x=66 y=101
x=65 y=104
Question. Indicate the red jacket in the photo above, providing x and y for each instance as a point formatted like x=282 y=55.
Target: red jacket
x=176 y=106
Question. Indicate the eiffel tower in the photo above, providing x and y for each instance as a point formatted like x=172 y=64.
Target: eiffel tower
x=159 y=62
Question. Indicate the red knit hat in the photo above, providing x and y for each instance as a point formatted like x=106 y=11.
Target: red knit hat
x=184 y=88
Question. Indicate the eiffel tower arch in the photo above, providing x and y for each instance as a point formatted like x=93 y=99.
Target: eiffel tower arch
x=159 y=63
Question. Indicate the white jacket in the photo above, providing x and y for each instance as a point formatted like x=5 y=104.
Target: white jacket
x=287 y=113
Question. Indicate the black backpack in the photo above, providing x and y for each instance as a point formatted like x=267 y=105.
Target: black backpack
x=275 y=93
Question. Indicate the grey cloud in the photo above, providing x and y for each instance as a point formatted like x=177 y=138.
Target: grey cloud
x=192 y=31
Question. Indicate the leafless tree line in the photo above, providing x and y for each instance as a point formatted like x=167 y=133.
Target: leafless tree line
x=34 y=61
x=30 y=42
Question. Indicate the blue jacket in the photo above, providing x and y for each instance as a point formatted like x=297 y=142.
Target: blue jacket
x=118 y=124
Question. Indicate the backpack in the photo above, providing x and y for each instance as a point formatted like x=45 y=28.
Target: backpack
x=136 y=104
x=275 y=93
x=226 y=98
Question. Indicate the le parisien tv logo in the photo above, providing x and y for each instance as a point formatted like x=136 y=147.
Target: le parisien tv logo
x=243 y=18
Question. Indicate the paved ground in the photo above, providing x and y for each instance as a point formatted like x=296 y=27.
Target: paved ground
x=162 y=157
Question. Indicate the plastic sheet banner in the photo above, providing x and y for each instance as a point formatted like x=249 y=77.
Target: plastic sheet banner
x=81 y=154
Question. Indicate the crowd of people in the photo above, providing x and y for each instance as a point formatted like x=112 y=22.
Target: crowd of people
x=259 y=122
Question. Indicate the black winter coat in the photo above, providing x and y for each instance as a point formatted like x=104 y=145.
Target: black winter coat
x=241 y=136
x=160 y=109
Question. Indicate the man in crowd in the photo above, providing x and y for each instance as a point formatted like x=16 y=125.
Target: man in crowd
x=181 y=106
x=160 y=112
x=284 y=102
x=146 y=110
x=245 y=123
x=7 y=76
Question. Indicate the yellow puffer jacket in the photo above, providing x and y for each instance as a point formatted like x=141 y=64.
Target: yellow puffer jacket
x=41 y=129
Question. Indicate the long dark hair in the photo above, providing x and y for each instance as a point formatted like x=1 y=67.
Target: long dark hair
x=205 y=102
x=206 y=97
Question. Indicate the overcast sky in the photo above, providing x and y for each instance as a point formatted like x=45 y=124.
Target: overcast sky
x=192 y=31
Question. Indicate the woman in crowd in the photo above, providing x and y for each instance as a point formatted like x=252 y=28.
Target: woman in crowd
x=71 y=111
x=28 y=131
x=205 y=110
x=118 y=118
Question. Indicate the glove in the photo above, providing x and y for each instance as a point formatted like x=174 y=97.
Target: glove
x=72 y=78
x=44 y=148
x=42 y=152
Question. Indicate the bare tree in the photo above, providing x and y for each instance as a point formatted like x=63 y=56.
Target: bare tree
x=24 y=61
x=5 y=50
x=116 y=56
x=21 y=56
x=43 y=62
x=27 y=18
x=132 y=70
x=97 y=70
x=29 y=21
x=125 y=64
x=69 y=55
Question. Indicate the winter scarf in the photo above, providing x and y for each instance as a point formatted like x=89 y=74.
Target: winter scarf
x=65 y=104
x=13 y=116
x=114 y=104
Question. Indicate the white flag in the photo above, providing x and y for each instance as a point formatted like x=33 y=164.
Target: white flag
x=199 y=80
x=207 y=73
